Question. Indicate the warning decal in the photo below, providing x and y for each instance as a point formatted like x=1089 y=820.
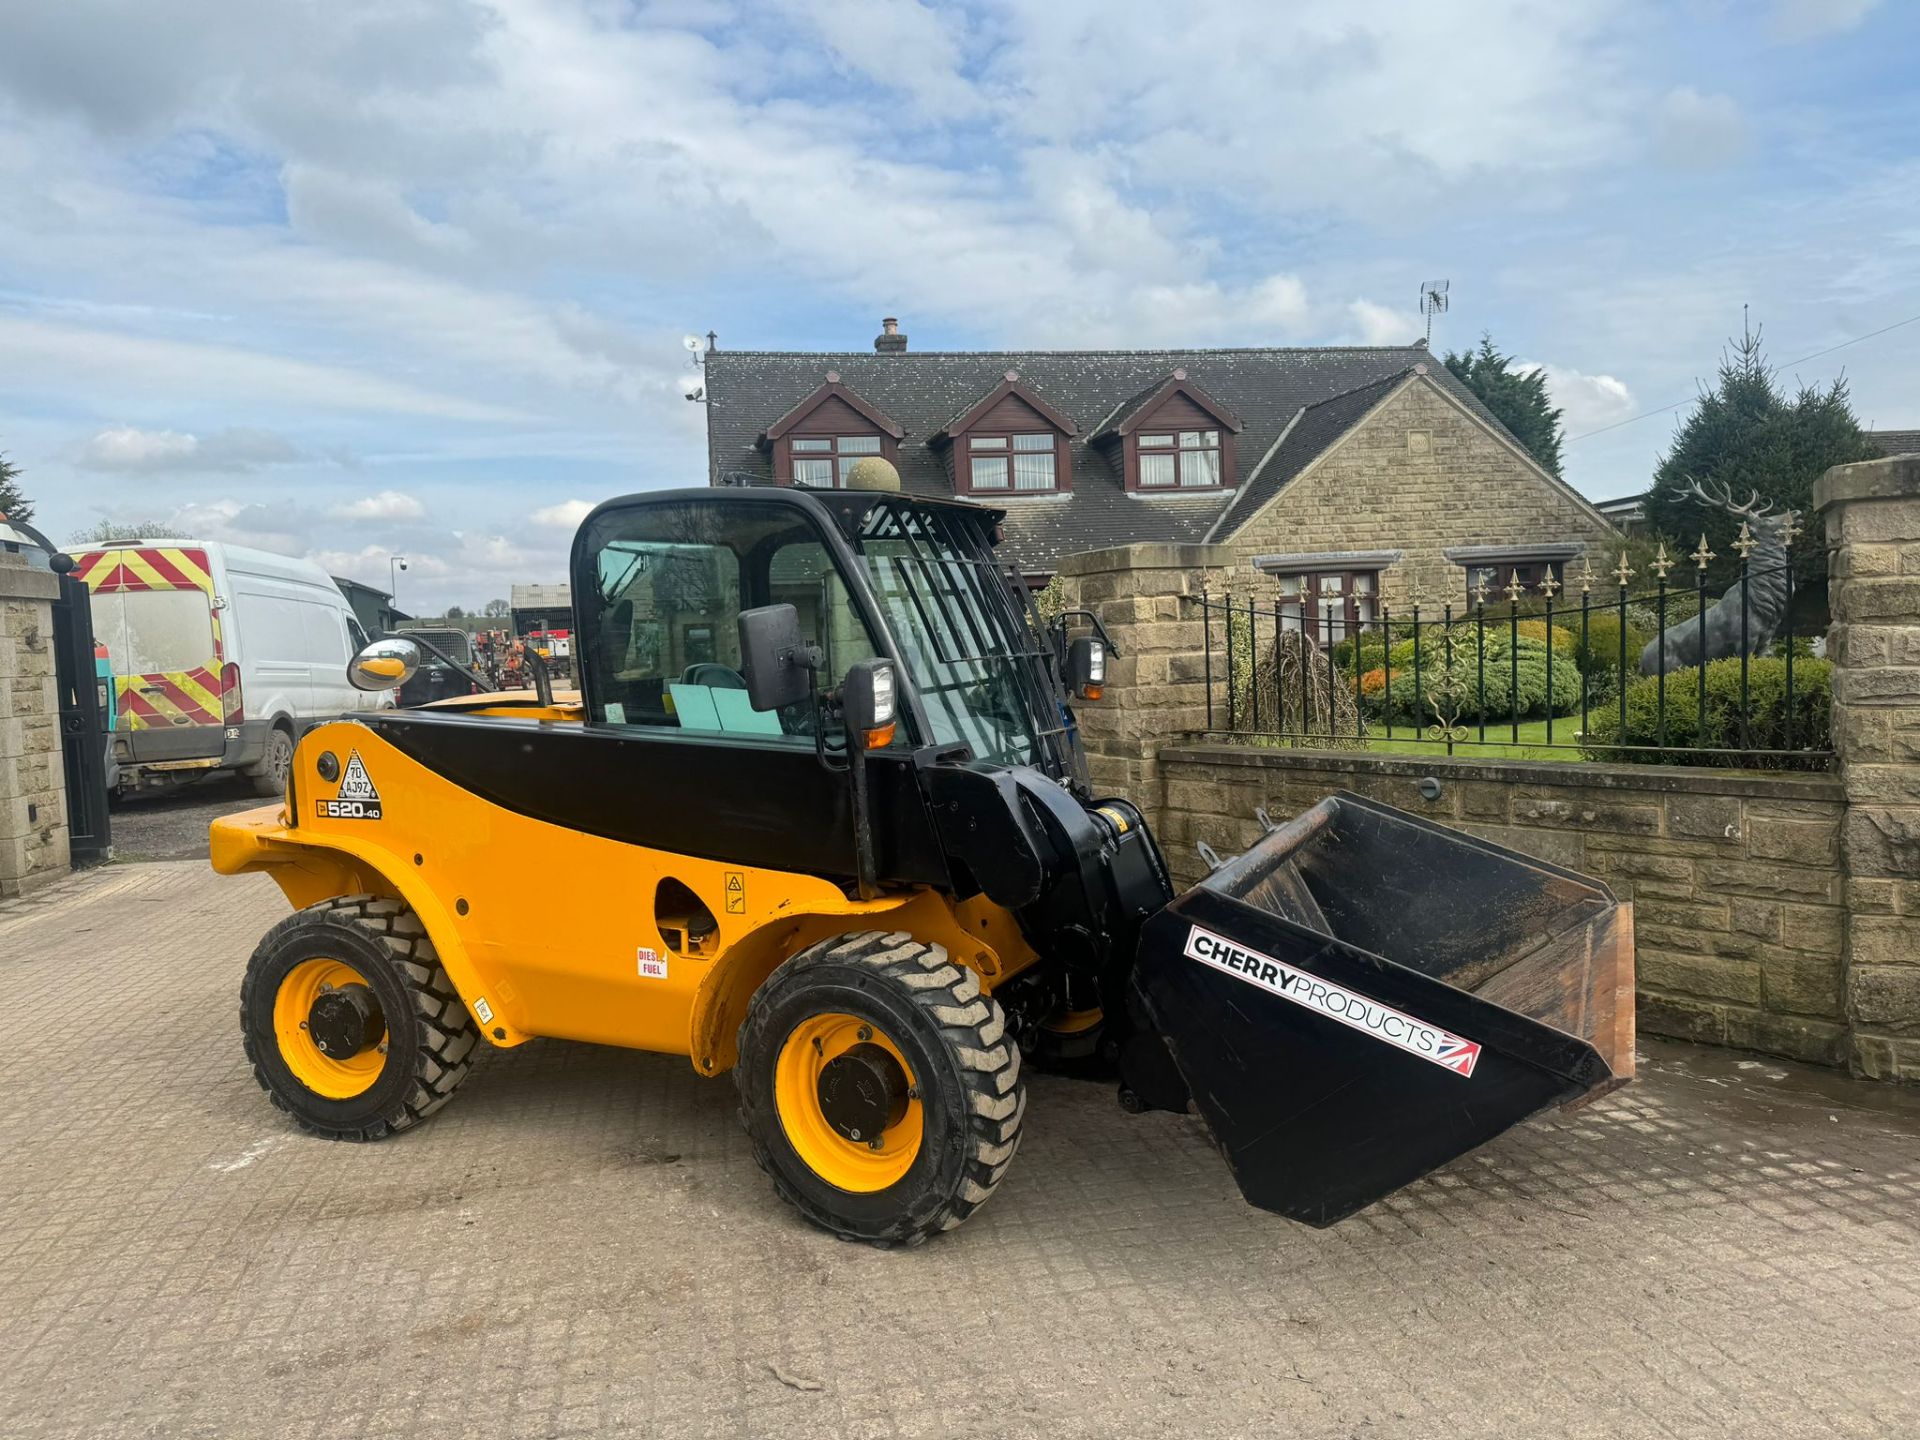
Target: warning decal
x=356 y=798
x=736 y=893
x=1382 y=1022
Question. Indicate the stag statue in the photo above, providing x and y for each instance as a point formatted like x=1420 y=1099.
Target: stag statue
x=1766 y=535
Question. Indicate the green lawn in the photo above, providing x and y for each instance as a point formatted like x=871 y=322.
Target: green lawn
x=1532 y=743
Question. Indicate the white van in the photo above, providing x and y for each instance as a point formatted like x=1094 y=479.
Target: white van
x=220 y=656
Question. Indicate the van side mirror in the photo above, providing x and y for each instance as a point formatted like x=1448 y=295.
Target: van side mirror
x=384 y=665
x=1086 y=673
x=776 y=661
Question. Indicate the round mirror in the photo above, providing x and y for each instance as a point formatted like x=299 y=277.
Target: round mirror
x=384 y=665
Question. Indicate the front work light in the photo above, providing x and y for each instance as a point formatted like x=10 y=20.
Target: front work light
x=868 y=699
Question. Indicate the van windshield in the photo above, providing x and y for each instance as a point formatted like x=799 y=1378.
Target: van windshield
x=161 y=632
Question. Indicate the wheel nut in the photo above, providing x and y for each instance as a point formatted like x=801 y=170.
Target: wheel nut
x=873 y=1144
x=866 y=1032
x=855 y=1134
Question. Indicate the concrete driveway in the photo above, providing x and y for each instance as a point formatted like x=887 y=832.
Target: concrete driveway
x=580 y=1246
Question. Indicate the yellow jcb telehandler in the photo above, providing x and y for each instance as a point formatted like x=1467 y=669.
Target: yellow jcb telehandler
x=818 y=816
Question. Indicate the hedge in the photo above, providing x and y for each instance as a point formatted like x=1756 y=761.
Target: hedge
x=1720 y=728
x=1467 y=702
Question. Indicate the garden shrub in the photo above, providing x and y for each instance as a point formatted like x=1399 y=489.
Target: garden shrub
x=1719 y=728
x=1466 y=701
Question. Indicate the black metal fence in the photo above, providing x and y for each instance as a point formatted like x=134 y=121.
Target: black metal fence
x=1571 y=670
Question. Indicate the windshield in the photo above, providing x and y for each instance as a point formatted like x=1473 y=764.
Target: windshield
x=968 y=642
x=160 y=632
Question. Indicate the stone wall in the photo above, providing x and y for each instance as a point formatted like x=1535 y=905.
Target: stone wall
x=1872 y=517
x=1421 y=474
x=1735 y=878
x=33 y=827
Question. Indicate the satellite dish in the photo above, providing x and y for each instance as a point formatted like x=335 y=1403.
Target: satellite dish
x=691 y=343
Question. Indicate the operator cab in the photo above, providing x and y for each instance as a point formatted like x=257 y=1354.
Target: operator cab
x=662 y=583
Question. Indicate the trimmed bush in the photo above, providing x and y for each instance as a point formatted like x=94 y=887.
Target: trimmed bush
x=1509 y=672
x=1719 y=728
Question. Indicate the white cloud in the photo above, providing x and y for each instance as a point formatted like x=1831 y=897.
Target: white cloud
x=36 y=353
x=128 y=450
x=1379 y=324
x=387 y=505
x=1807 y=19
x=1693 y=131
x=566 y=515
x=1589 y=401
x=371 y=564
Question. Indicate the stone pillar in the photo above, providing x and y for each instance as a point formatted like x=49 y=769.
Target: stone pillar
x=1148 y=598
x=1872 y=515
x=33 y=824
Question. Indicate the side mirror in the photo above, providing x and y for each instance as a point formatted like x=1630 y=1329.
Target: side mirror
x=1086 y=668
x=384 y=665
x=775 y=659
x=867 y=701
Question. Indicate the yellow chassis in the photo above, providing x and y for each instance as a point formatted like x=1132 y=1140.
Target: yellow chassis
x=549 y=931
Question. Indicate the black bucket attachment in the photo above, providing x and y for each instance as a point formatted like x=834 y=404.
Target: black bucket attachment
x=1366 y=995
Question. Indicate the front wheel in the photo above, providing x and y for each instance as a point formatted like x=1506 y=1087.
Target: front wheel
x=351 y=1025
x=879 y=1087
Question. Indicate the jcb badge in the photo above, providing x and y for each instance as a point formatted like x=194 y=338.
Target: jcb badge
x=348 y=809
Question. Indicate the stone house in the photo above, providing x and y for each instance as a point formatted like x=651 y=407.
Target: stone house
x=1337 y=475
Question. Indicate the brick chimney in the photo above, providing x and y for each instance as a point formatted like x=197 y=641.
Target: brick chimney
x=890 y=341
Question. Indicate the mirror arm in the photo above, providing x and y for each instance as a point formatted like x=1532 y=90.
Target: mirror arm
x=466 y=672
x=1059 y=625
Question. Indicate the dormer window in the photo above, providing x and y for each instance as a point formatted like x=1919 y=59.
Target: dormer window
x=1012 y=462
x=1172 y=437
x=1009 y=442
x=1182 y=459
x=822 y=461
x=819 y=441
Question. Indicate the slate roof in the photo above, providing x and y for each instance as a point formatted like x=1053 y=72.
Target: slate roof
x=1896 y=442
x=1324 y=389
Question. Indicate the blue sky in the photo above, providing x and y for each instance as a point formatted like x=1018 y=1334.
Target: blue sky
x=411 y=276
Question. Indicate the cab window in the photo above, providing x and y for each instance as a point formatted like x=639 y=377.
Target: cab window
x=667 y=585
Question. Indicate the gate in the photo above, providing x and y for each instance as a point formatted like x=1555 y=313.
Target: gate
x=83 y=719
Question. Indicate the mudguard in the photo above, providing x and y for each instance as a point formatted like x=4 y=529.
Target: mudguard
x=1366 y=995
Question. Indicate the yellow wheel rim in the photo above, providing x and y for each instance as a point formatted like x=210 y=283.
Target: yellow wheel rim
x=855 y=1165
x=312 y=1066
x=1075 y=1022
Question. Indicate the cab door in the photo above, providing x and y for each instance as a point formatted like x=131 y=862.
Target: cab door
x=153 y=611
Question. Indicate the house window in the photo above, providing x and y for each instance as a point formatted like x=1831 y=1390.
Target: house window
x=1331 y=605
x=1498 y=576
x=822 y=461
x=1180 y=460
x=1023 y=463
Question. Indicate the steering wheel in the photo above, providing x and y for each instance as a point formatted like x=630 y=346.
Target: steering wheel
x=713 y=675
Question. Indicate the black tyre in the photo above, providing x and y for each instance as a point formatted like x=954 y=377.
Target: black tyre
x=351 y=1025
x=269 y=777
x=879 y=1087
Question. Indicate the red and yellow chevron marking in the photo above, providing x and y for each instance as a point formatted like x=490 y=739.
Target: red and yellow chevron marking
x=158 y=567
x=160 y=702
x=145 y=702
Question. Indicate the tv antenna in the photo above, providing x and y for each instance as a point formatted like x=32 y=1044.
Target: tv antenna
x=1433 y=301
x=692 y=386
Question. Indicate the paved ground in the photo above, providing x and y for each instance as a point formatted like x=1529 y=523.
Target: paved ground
x=172 y=824
x=580 y=1245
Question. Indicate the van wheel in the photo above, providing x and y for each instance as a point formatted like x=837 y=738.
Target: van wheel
x=269 y=777
x=879 y=1087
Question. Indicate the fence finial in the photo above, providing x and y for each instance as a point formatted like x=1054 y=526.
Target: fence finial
x=1549 y=586
x=1745 y=543
x=1515 y=589
x=1625 y=571
x=1789 y=528
x=1586 y=574
x=1661 y=564
x=1480 y=588
x=1702 y=554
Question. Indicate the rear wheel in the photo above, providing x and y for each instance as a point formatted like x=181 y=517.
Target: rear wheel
x=350 y=1023
x=880 y=1088
x=269 y=777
